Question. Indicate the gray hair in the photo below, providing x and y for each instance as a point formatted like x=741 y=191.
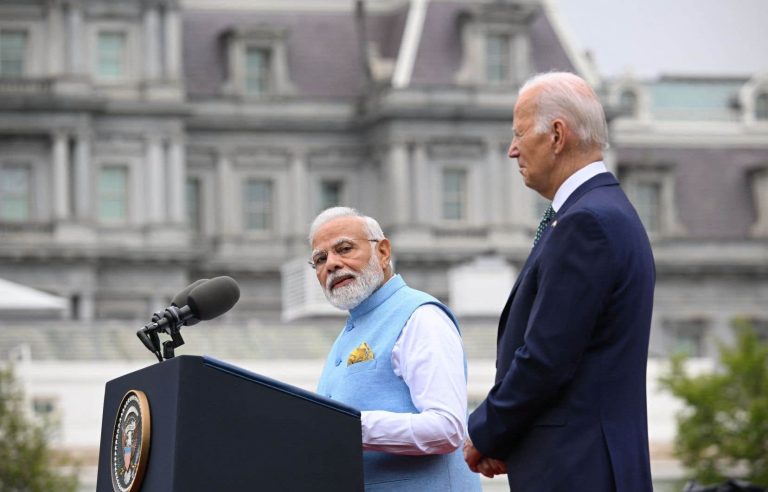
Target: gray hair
x=372 y=228
x=568 y=96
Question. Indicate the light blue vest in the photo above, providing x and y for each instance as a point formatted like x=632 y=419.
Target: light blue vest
x=372 y=385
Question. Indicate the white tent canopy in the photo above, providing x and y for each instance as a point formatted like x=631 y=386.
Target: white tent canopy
x=23 y=301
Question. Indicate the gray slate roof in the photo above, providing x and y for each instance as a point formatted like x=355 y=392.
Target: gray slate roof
x=323 y=52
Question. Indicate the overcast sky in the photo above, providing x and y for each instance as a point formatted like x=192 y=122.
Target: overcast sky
x=672 y=37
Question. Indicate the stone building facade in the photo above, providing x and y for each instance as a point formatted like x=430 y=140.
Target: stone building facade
x=148 y=143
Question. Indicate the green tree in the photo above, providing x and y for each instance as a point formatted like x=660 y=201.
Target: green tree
x=26 y=461
x=723 y=429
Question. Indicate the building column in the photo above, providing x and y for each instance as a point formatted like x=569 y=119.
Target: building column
x=177 y=178
x=521 y=197
x=60 y=176
x=172 y=45
x=151 y=51
x=56 y=39
x=83 y=182
x=494 y=202
x=423 y=196
x=609 y=159
x=398 y=184
x=225 y=181
x=301 y=191
x=521 y=47
x=155 y=178
x=75 y=61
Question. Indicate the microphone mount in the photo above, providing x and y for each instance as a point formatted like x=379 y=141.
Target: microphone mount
x=168 y=321
x=202 y=300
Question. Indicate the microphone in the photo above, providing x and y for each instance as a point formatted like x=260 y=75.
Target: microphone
x=180 y=300
x=200 y=301
x=207 y=299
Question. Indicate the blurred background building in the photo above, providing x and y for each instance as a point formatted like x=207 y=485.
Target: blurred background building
x=148 y=143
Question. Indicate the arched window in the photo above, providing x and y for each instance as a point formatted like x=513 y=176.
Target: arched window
x=628 y=103
x=761 y=106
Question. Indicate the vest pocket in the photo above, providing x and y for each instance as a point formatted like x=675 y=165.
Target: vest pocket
x=361 y=366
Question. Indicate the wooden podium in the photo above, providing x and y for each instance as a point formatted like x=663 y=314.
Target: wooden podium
x=212 y=426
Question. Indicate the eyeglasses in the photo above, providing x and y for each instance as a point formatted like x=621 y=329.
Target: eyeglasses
x=345 y=248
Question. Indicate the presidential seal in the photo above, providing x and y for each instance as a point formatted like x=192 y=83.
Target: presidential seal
x=130 y=442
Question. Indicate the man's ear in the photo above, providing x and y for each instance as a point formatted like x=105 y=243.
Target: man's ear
x=558 y=135
x=384 y=248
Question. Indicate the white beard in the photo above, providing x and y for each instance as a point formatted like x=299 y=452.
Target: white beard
x=359 y=289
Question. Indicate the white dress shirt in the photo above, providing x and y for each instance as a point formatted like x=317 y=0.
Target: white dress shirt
x=429 y=357
x=575 y=180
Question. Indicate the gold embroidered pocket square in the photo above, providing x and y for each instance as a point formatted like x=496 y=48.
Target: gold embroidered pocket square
x=360 y=354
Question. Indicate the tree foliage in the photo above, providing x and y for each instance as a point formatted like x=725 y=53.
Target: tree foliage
x=26 y=460
x=723 y=428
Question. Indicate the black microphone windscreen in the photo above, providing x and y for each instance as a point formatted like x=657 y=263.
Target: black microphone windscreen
x=180 y=299
x=213 y=298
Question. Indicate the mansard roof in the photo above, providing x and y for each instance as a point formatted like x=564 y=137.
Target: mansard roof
x=324 y=52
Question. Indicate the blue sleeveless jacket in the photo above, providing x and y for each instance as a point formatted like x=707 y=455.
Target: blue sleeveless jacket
x=372 y=385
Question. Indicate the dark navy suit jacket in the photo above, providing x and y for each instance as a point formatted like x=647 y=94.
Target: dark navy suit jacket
x=568 y=409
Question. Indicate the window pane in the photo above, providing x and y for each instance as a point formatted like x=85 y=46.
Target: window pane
x=647 y=202
x=113 y=193
x=111 y=55
x=14 y=194
x=13 y=47
x=194 y=211
x=628 y=103
x=686 y=337
x=497 y=58
x=257 y=203
x=257 y=70
x=761 y=106
x=454 y=194
x=330 y=194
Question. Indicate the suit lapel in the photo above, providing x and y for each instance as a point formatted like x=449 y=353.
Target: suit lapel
x=602 y=179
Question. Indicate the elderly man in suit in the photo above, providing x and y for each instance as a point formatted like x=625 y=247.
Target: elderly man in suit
x=567 y=411
x=399 y=360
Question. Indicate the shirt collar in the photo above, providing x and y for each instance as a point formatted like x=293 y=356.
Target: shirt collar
x=378 y=297
x=575 y=180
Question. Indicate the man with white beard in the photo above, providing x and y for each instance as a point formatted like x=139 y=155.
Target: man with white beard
x=399 y=360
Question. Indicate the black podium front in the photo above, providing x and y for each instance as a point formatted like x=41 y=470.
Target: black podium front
x=217 y=427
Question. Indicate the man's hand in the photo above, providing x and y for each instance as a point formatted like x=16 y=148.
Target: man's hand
x=490 y=467
x=472 y=456
x=481 y=464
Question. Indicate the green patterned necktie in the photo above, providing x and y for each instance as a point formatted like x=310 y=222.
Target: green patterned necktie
x=549 y=213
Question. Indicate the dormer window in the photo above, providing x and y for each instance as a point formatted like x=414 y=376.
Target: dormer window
x=497 y=58
x=651 y=189
x=257 y=71
x=761 y=106
x=257 y=64
x=758 y=179
x=496 y=45
x=628 y=103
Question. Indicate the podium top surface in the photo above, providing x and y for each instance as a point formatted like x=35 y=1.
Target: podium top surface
x=278 y=385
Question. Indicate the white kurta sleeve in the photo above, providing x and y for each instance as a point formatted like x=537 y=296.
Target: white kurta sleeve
x=430 y=358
